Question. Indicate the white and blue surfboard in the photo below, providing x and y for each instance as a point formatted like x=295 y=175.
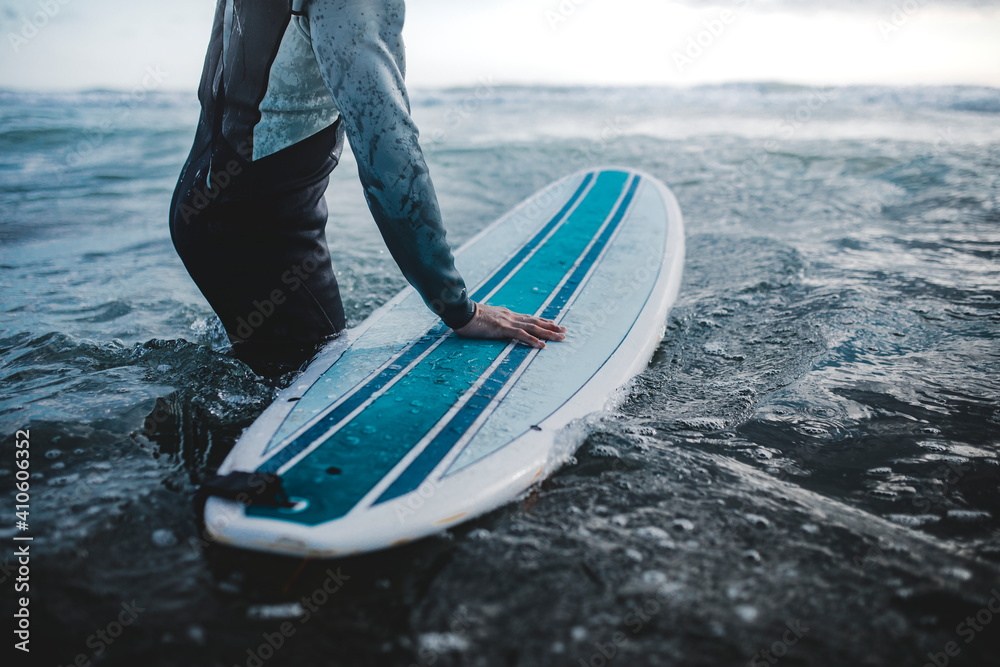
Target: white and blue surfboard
x=400 y=429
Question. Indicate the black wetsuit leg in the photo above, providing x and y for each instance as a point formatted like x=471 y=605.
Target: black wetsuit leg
x=253 y=239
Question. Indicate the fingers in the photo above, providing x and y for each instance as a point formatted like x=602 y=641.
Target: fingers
x=500 y=322
x=541 y=332
x=540 y=322
x=533 y=331
x=549 y=325
x=521 y=335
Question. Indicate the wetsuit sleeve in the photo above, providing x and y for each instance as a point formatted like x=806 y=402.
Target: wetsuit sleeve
x=359 y=48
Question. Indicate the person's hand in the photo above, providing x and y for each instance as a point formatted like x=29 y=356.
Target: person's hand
x=502 y=323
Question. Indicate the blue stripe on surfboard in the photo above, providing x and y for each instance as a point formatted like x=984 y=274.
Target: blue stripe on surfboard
x=418 y=470
x=569 y=289
x=371 y=443
x=528 y=247
x=363 y=392
x=422 y=466
x=351 y=403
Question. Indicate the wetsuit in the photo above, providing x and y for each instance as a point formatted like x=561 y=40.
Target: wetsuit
x=283 y=82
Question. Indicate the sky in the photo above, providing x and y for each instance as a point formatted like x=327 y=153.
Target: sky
x=119 y=44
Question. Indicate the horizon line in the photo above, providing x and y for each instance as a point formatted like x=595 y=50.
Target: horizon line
x=776 y=83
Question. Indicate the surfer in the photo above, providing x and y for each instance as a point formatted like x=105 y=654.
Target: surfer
x=283 y=83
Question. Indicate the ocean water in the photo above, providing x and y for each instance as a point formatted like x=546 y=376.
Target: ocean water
x=806 y=473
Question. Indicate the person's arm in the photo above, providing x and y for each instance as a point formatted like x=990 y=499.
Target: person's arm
x=359 y=47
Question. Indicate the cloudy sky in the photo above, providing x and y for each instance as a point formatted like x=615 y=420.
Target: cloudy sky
x=80 y=44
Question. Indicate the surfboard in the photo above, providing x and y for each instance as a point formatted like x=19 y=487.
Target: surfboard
x=399 y=428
